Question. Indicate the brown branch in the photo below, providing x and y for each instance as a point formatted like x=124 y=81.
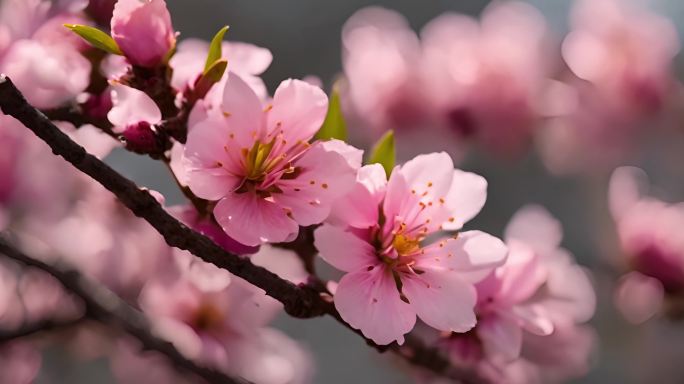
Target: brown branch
x=299 y=301
x=104 y=306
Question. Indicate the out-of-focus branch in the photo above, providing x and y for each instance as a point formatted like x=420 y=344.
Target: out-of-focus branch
x=299 y=301
x=36 y=327
x=104 y=306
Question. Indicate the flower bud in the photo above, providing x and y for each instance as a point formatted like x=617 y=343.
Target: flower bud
x=143 y=31
x=142 y=138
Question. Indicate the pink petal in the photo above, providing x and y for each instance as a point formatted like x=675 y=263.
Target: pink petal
x=441 y=299
x=210 y=171
x=243 y=111
x=534 y=225
x=251 y=220
x=298 y=111
x=369 y=301
x=282 y=262
x=465 y=199
x=132 y=106
x=570 y=291
x=534 y=318
x=639 y=297
x=325 y=175
x=627 y=185
x=431 y=173
x=473 y=255
x=247 y=58
x=344 y=250
x=521 y=276
x=500 y=336
x=359 y=207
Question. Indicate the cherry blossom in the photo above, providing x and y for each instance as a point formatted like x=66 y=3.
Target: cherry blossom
x=393 y=274
x=143 y=31
x=258 y=163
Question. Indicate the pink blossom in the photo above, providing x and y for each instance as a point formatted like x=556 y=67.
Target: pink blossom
x=246 y=60
x=225 y=329
x=527 y=304
x=46 y=65
x=258 y=163
x=622 y=60
x=393 y=274
x=19 y=363
x=565 y=354
x=649 y=231
x=381 y=60
x=143 y=31
x=48 y=75
x=488 y=79
x=625 y=52
x=639 y=297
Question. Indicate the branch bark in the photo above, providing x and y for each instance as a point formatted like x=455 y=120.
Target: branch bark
x=104 y=306
x=299 y=301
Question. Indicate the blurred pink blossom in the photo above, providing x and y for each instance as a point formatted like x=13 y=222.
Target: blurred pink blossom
x=258 y=163
x=392 y=275
x=19 y=363
x=43 y=61
x=649 y=231
x=488 y=80
x=381 y=61
x=225 y=329
x=622 y=58
x=143 y=31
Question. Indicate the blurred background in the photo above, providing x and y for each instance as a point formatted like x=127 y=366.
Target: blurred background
x=304 y=37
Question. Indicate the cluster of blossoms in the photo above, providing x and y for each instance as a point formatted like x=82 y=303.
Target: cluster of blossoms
x=498 y=81
x=259 y=177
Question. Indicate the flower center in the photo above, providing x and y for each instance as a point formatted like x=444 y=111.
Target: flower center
x=207 y=317
x=405 y=245
x=256 y=160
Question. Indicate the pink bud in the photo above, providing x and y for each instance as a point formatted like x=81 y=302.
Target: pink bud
x=143 y=30
x=142 y=138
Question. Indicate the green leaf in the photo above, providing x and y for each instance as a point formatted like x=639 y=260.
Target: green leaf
x=210 y=77
x=215 y=48
x=383 y=152
x=96 y=38
x=334 y=126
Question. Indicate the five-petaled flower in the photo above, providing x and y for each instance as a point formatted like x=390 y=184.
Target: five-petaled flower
x=258 y=163
x=379 y=235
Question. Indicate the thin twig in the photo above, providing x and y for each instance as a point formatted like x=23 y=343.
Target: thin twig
x=299 y=301
x=104 y=306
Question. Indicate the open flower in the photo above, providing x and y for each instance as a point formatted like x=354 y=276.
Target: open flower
x=258 y=163
x=535 y=301
x=393 y=273
x=143 y=31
